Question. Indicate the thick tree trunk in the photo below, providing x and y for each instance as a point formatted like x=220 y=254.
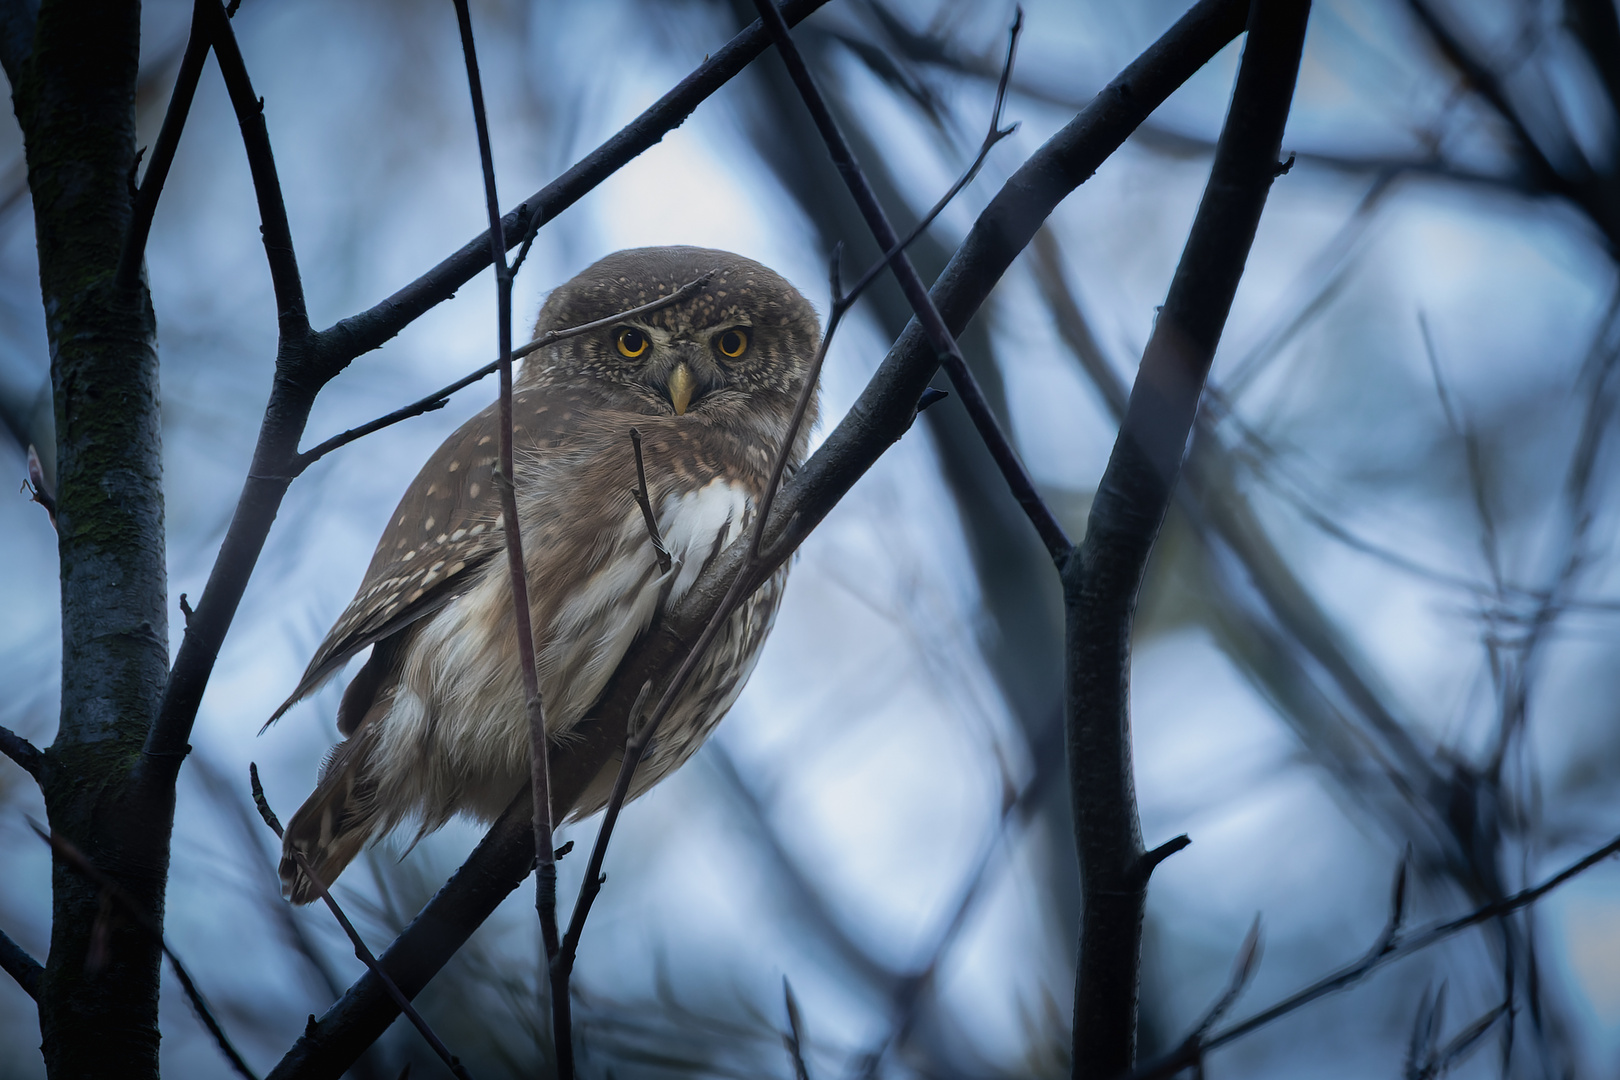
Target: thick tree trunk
x=74 y=94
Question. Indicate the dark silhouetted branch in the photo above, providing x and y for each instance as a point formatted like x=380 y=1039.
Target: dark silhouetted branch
x=793 y=1038
x=1389 y=947
x=292 y=394
x=911 y=283
x=883 y=412
x=644 y=500
x=20 y=966
x=21 y=751
x=168 y=141
x=70 y=854
x=1103 y=576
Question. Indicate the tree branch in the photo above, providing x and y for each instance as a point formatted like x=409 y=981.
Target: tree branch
x=17 y=19
x=881 y=415
x=23 y=752
x=145 y=203
x=1389 y=947
x=911 y=283
x=1103 y=576
x=291 y=396
x=20 y=966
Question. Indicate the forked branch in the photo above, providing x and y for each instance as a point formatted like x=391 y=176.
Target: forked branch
x=1103 y=576
x=1389 y=947
x=911 y=283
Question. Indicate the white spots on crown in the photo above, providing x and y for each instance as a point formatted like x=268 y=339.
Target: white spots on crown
x=697 y=523
x=456 y=567
x=431 y=488
x=441 y=538
x=500 y=521
x=475 y=530
x=483 y=440
x=401 y=520
x=472 y=492
x=427 y=526
x=409 y=555
x=458 y=534
x=454 y=466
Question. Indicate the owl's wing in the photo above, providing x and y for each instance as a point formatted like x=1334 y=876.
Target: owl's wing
x=444 y=529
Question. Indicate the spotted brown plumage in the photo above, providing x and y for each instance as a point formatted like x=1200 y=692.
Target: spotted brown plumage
x=434 y=720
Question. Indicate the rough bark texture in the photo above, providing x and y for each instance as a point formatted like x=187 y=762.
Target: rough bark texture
x=74 y=94
x=1104 y=575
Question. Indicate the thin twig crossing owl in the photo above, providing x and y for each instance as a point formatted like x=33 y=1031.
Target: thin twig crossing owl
x=434 y=721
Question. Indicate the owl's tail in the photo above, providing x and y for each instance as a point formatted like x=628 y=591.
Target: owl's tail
x=335 y=822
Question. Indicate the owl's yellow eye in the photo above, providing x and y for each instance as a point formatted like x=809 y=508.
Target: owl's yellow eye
x=632 y=342
x=733 y=342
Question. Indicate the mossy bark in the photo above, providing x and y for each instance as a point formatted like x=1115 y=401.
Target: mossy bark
x=73 y=91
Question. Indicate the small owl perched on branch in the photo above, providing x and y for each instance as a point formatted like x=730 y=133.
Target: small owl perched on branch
x=434 y=721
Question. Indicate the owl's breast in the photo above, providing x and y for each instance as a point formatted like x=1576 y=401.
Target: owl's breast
x=700 y=523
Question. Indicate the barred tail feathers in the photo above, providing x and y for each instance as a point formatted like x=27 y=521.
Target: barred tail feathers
x=335 y=822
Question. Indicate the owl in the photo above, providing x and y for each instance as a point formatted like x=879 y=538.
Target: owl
x=433 y=721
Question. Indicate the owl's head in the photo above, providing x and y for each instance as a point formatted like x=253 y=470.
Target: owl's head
x=746 y=339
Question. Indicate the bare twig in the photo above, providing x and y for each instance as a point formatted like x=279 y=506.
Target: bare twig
x=16 y=962
x=361 y=950
x=285 y=415
x=24 y=753
x=644 y=500
x=991 y=138
x=70 y=854
x=145 y=202
x=545 y=890
x=441 y=397
x=793 y=1038
x=911 y=283
x=1389 y=947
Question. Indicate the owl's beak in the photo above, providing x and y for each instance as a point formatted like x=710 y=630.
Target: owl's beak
x=681 y=384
